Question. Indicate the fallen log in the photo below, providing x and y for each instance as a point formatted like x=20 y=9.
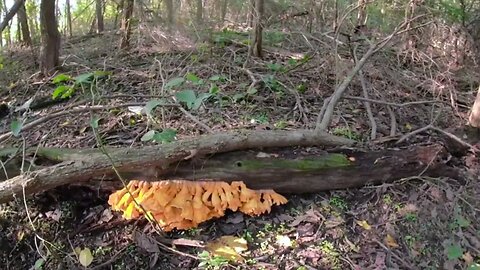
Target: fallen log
x=285 y=172
x=151 y=161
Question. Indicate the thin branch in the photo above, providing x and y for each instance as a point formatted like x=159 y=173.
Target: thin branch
x=393 y=104
x=194 y=119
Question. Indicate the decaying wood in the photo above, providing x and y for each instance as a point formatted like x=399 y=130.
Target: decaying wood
x=272 y=173
x=153 y=161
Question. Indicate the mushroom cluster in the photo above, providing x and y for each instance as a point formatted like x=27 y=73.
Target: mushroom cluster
x=182 y=204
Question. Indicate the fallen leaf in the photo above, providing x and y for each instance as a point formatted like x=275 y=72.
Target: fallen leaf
x=85 y=257
x=55 y=215
x=454 y=252
x=467 y=257
x=283 y=241
x=145 y=242
x=228 y=247
x=391 y=242
x=364 y=224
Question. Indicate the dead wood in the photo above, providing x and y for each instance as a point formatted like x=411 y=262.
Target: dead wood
x=152 y=161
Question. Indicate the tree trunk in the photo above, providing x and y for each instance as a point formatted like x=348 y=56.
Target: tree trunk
x=50 y=52
x=256 y=43
x=11 y=13
x=223 y=11
x=99 y=14
x=474 y=119
x=251 y=13
x=22 y=18
x=69 y=18
x=362 y=13
x=127 y=24
x=170 y=15
x=199 y=13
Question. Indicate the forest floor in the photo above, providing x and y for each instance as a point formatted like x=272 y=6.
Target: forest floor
x=418 y=223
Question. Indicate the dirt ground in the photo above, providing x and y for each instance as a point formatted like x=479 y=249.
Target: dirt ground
x=415 y=223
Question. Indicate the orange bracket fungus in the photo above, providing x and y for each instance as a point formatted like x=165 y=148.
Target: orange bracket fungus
x=182 y=204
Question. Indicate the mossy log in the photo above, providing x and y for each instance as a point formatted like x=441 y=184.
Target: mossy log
x=225 y=157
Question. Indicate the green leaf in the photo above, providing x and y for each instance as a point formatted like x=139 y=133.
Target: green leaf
x=237 y=97
x=85 y=257
x=462 y=221
x=39 y=264
x=174 y=82
x=16 y=127
x=68 y=93
x=252 y=91
x=60 y=90
x=166 y=136
x=454 y=252
x=214 y=89
x=148 y=136
x=60 y=78
x=152 y=104
x=186 y=96
x=101 y=73
x=215 y=78
x=94 y=121
x=198 y=102
x=85 y=78
x=192 y=77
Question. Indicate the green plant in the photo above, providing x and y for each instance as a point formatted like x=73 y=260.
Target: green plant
x=190 y=98
x=272 y=83
x=166 y=136
x=346 y=132
x=338 y=202
x=411 y=217
x=67 y=85
x=209 y=262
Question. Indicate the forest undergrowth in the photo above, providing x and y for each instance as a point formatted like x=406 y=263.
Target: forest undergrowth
x=417 y=223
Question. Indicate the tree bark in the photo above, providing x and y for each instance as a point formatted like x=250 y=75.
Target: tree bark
x=10 y=14
x=69 y=18
x=50 y=52
x=127 y=24
x=199 y=13
x=99 y=14
x=170 y=15
x=23 y=20
x=256 y=43
x=152 y=161
x=223 y=11
x=284 y=171
x=474 y=119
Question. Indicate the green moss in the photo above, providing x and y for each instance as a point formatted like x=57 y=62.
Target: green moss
x=325 y=162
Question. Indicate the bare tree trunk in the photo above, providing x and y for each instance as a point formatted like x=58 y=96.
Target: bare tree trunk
x=362 y=13
x=170 y=19
x=69 y=18
x=11 y=13
x=99 y=14
x=474 y=119
x=224 y=11
x=199 y=14
x=251 y=13
x=127 y=24
x=256 y=44
x=22 y=19
x=50 y=52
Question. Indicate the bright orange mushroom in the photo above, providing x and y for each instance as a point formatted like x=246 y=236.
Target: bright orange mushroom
x=185 y=204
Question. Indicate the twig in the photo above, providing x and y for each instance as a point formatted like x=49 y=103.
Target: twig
x=406 y=264
x=393 y=104
x=110 y=261
x=194 y=119
x=455 y=138
x=393 y=121
x=417 y=131
x=51 y=116
x=373 y=124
